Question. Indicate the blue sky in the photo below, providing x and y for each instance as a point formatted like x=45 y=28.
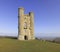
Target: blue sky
x=46 y=15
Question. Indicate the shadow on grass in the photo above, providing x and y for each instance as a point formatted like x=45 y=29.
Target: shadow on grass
x=9 y=37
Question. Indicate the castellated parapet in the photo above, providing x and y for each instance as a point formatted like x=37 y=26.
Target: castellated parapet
x=25 y=25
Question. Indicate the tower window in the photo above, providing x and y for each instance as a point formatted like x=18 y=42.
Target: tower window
x=25 y=25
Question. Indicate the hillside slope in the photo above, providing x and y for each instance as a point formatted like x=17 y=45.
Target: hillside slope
x=14 y=45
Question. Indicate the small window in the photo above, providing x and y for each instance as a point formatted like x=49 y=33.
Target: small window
x=25 y=30
x=25 y=25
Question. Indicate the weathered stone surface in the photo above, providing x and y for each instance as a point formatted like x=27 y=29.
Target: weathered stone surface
x=25 y=25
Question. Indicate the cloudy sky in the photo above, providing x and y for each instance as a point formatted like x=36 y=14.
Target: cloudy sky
x=46 y=15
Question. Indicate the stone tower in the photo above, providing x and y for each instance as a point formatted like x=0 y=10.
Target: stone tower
x=25 y=25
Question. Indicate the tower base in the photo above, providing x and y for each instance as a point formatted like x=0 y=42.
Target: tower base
x=25 y=37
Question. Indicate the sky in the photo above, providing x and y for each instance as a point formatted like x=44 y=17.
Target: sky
x=46 y=15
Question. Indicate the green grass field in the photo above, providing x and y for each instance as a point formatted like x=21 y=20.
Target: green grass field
x=14 y=45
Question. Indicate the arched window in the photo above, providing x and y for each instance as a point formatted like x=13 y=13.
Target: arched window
x=25 y=25
x=25 y=31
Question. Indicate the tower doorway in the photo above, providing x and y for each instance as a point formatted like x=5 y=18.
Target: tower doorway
x=25 y=37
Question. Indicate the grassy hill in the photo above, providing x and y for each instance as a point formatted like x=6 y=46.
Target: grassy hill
x=14 y=45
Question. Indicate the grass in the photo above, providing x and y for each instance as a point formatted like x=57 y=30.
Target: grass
x=14 y=45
